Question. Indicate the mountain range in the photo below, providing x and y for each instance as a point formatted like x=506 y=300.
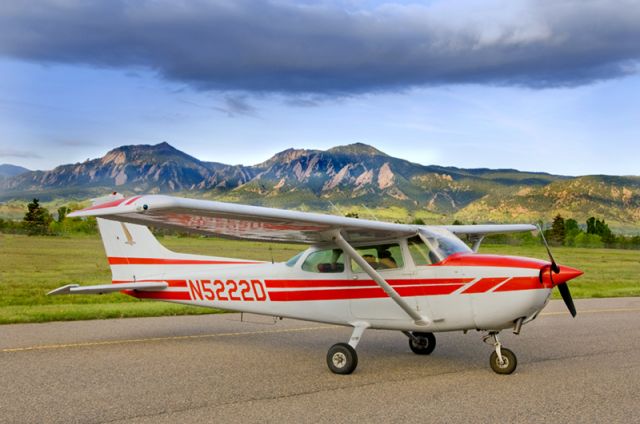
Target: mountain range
x=345 y=178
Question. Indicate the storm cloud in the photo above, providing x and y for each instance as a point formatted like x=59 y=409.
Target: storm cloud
x=332 y=47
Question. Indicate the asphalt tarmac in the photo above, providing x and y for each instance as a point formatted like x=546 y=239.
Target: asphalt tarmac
x=218 y=369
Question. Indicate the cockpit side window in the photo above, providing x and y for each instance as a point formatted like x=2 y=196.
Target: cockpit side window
x=420 y=252
x=443 y=244
x=325 y=261
x=380 y=257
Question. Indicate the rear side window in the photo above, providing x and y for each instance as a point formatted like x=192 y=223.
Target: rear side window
x=325 y=261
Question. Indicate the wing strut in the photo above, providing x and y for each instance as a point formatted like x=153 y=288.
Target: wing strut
x=417 y=318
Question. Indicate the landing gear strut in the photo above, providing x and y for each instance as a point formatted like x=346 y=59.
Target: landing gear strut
x=502 y=360
x=421 y=343
x=342 y=357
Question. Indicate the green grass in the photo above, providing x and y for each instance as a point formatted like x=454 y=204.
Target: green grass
x=31 y=266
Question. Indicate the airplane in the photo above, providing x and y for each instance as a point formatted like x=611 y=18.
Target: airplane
x=417 y=279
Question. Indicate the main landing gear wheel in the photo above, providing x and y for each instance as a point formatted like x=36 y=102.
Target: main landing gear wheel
x=342 y=358
x=422 y=343
x=508 y=364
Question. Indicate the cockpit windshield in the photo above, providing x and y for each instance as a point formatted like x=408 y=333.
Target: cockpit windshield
x=443 y=243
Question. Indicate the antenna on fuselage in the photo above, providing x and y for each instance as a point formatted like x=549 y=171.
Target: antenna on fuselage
x=370 y=212
x=271 y=253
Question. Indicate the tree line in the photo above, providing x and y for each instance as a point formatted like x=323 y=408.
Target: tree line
x=563 y=232
x=596 y=233
x=593 y=233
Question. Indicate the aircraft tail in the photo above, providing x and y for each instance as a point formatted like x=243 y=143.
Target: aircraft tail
x=130 y=248
x=135 y=254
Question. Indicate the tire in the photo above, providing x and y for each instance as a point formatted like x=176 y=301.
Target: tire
x=342 y=359
x=424 y=345
x=508 y=366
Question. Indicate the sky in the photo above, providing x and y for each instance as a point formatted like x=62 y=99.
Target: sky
x=549 y=86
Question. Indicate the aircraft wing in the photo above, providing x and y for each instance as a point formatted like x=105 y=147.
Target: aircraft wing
x=487 y=229
x=476 y=233
x=256 y=222
x=240 y=221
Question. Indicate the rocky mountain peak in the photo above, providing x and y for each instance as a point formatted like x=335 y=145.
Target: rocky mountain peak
x=286 y=156
x=155 y=153
x=357 y=149
x=8 y=170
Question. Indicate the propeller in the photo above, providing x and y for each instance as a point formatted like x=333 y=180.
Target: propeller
x=562 y=285
x=568 y=300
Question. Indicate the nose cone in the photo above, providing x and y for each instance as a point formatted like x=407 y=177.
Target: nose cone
x=550 y=279
x=566 y=273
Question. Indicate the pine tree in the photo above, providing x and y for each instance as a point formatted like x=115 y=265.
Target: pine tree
x=556 y=234
x=600 y=228
x=37 y=219
x=62 y=213
x=591 y=225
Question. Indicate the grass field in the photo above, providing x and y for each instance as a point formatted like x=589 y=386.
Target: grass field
x=31 y=266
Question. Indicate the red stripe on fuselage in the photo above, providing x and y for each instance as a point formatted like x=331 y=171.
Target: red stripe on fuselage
x=161 y=295
x=111 y=204
x=475 y=259
x=359 y=293
x=520 y=283
x=286 y=284
x=171 y=283
x=303 y=290
x=158 y=261
x=428 y=290
x=484 y=285
x=332 y=294
x=131 y=200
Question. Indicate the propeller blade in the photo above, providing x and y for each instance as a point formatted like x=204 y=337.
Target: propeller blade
x=566 y=296
x=554 y=265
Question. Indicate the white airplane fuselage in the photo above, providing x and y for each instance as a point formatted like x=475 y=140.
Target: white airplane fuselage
x=466 y=291
x=358 y=273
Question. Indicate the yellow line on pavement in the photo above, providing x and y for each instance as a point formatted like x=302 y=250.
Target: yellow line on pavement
x=592 y=311
x=156 y=339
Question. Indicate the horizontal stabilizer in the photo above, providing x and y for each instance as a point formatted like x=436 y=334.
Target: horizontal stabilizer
x=107 y=288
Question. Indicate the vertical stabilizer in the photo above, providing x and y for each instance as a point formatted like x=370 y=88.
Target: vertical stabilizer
x=132 y=251
x=135 y=254
x=124 y=240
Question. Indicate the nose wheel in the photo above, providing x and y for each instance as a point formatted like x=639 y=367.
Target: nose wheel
x=502 y=360
x=508 y=363
x=421 y=343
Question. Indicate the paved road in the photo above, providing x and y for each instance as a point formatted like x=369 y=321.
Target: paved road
x=218 y=369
